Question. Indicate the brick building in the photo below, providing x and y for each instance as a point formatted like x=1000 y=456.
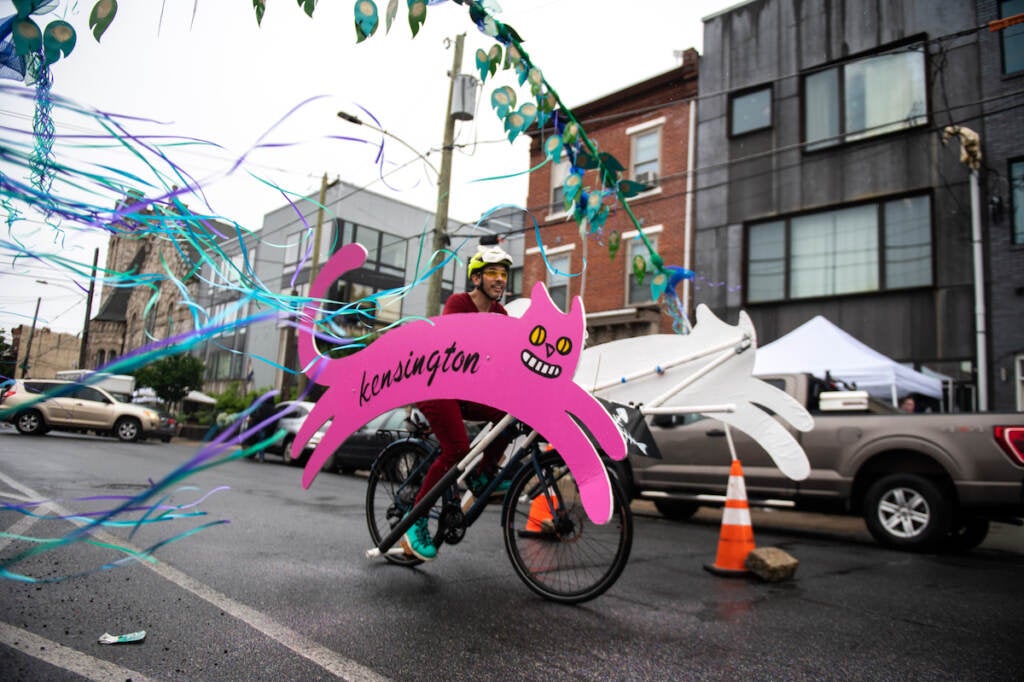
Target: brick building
x=647 y=128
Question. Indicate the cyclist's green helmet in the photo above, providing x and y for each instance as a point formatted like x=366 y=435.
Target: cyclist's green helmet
x=491 y=255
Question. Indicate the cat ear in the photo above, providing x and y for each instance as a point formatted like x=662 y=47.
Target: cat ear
x=539 y=294
x=576 y=308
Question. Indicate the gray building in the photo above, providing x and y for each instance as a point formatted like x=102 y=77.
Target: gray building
x=824 y=187
x=224 y=280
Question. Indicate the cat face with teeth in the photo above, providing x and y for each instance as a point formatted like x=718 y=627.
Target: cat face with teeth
x=551 y=352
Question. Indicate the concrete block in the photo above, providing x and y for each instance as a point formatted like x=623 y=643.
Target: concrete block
x=771 y=564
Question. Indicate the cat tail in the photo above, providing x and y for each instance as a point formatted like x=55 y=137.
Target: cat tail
x=348 y=257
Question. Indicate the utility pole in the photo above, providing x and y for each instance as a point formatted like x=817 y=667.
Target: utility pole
x=28 y=346
x=317 y=231
x=88 y=311
x=443 y=185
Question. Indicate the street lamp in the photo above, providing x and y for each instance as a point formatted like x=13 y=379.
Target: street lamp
x=970 y=156
x=355 y=120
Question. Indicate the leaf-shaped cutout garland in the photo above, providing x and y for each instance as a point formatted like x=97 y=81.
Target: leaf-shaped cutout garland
x=639 y=268
x=570 y=133
x=628 y=188
x=514 y=124
x=536 y=79
x=513 y=56
x=614 y=242
x=103 y=13
x=58 y=39
x=529 y=113
x=571 y=188
x=366 y=19
x=502 y=100
x=553 y=148
x=28 y=38
x=658 y=285
x=389 y=15
x=417 y=15
x=494 y=59
x=585 y=160
x=483 y=65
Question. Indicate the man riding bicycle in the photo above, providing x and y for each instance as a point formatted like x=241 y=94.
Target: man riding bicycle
x=488 y=270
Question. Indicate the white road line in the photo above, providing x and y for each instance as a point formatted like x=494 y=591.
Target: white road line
x=327 y=659
x=63 y=657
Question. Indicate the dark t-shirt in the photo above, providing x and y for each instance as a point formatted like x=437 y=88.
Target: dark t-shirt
x=463 y=303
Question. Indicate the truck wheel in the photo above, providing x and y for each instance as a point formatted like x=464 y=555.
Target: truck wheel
x=30 y=423
x=676 y=510
x=128 y=429
x=906 y=511
x=966 y=534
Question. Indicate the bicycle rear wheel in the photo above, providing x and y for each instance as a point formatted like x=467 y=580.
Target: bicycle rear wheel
x=395 y=479
x=555 y=549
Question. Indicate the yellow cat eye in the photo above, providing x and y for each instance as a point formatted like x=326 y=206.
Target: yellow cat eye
x=564 y=345
x=538 y=335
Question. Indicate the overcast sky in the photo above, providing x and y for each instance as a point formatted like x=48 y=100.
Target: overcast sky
x=224 y=79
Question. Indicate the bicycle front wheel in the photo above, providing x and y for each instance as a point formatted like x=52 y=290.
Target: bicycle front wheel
x=555 y=549
x=395 y=479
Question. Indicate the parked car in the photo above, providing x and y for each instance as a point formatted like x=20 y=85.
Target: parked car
x=168 y=427
x=920 y=481
x=35 y=406
x=289 y=415
x=362 y=447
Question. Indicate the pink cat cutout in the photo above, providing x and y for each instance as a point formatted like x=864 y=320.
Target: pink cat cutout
x=522 y=366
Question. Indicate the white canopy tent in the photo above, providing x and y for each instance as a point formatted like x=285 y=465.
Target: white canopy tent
x=818 y=346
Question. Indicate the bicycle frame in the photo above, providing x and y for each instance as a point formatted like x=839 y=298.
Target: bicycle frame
x=421 y=507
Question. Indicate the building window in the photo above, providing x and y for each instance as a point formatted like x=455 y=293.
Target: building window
x=558 y=280
x=639 y=293
x=1012 y=37
x=1017 y=200
x=385 y=253
x=870 y=247
x=514 y=288
x=750 y=111
x=299 y=247
x=646 y=152
x=867 y=97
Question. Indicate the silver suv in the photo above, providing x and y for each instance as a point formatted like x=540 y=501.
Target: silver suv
x=35 y=406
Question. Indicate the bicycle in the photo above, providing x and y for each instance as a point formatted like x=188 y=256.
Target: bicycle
x=554 y=548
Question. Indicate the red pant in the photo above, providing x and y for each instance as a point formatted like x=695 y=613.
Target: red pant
x=445 y=418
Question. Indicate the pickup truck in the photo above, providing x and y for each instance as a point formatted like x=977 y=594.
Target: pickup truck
x=921 y=481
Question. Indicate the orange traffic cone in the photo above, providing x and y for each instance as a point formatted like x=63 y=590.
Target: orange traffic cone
x=540 y=513
x=737 y=537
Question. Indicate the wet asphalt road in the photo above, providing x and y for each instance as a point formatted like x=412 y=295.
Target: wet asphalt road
x=282 y=592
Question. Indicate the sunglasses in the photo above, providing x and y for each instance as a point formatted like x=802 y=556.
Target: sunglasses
x=496 y=273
